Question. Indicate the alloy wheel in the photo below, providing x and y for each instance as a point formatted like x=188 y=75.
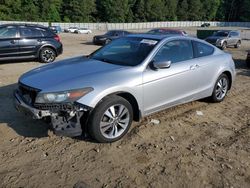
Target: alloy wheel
x=48 y=55
x=114 y=121
x=221 y=88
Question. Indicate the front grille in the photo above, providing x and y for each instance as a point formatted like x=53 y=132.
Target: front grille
x=28 y=93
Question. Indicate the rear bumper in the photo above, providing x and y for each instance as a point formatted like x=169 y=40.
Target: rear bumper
x=60 y=50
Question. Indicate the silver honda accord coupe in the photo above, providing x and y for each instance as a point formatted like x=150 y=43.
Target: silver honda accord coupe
x=130 y=78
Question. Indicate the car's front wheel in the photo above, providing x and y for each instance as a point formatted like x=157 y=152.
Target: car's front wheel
x=220 y=89
x=238 y=44
x=110 y=120
x=47 y=55
x=224 y=45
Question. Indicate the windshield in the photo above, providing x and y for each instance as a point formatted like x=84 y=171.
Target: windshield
x=110 y=33
x=129 y=51
x=221 y=34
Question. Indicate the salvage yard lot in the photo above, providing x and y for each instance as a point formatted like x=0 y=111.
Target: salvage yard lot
x=184 y=150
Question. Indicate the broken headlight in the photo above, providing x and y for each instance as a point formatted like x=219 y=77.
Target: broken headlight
x=65 y=96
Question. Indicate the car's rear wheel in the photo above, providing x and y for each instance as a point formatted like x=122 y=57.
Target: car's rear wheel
x=110 y=120
x=238 y=44
x=220 y=89
x=47 y=55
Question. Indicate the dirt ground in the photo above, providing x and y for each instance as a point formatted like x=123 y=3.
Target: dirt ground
x=184 y=150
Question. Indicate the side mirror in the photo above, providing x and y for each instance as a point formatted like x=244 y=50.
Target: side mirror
x=161 y=64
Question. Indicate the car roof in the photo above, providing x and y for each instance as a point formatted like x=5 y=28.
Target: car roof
x=152 y=36
x=228 y=31
x=24 y=24
x=168 y=29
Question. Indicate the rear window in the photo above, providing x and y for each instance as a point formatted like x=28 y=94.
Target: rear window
x=202 y=50
x=30 y=32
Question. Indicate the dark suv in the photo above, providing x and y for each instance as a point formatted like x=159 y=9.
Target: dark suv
x=23 y=41
x=109 y=36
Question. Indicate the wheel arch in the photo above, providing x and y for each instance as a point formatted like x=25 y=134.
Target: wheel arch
x=47 y=46
x=131 y=99
x=229 y=75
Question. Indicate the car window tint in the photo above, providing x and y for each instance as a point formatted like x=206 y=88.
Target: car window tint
x=175 y=51
x=126 y=51
x=202 y=49
x=30 y=32
x=8 y=32
x=235 y=34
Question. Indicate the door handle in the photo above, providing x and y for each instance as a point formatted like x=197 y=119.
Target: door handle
x=193 y=67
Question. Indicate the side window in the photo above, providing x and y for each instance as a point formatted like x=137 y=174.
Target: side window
x=175 y=51
x=202 y=49
x=30 y=32
x=8 y=32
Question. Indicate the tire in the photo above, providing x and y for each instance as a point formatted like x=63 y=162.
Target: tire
x=238 y=44
x=47 y=55
x=114 y=126
x=224 y=46
x=220 y=89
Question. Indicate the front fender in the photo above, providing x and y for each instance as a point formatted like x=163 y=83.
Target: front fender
x=94 y=97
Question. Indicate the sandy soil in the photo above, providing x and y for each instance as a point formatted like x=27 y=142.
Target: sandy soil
x=184 y=150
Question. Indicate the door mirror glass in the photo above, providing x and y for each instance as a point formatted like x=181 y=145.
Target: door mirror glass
x=161 y=64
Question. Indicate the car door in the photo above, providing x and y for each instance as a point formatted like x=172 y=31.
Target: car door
x=9 y=44
x=31 y=39
x=174 y=85
x=208 y=68
x=231 y=39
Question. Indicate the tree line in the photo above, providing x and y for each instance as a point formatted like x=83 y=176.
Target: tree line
x=124 y=10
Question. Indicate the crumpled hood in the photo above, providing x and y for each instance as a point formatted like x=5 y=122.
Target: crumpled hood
x=66 y=72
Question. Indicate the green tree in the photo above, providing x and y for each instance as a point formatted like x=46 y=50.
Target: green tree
x=182 y=10
x=195 y=12
x=30 y=10
x=139 y=11
x=78 y=10
x=170 y=10
x=10 y=9
x=155 y=10
x=113 y=10
x=210 y=8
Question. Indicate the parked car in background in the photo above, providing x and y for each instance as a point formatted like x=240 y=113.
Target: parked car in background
x=56 y=29
x=248 y=59
x=225 y=38
x=205 y=25
x=83 y=31
x=167 y=31
x=130 y=78
x=71 y=29
x=109 y=36
x=26 y=41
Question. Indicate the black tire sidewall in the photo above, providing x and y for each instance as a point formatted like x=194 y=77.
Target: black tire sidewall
x=224 y=46
x=213 y=97
x=41 y=52
x=97 y=113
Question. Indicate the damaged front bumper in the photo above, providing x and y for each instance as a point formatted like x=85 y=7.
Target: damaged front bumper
x=65 y=119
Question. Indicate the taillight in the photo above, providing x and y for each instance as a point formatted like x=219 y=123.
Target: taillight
x=57 y=38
